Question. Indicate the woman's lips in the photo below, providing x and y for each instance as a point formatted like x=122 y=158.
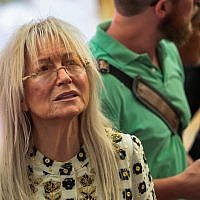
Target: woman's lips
x=66 y=95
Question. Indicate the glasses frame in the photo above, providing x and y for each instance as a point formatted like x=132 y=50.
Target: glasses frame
x=36 y=74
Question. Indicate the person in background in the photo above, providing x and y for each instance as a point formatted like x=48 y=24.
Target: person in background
x=56 y=143
x=190 y=54
x=144 y=94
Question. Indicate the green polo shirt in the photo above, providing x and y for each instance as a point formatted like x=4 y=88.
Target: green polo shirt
x=164 y=150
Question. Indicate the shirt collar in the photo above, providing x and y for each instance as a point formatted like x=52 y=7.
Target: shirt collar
x=120 y=55
x=112 y=47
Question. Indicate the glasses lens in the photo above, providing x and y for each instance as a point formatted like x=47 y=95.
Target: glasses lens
x=48 y=72
x=51 y=74
x=74 y=69
x=46 y=75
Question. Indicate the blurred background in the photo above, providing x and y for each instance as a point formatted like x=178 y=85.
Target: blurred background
x=84 y=14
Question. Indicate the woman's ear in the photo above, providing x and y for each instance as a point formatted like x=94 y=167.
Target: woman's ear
x=24 y=106
x=163 y=8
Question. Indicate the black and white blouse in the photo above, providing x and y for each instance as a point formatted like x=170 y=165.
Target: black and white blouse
x=76 y=180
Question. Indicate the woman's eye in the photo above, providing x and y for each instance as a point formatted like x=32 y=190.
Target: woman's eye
x=72 y=62
x=69 y=62
x=44 y=68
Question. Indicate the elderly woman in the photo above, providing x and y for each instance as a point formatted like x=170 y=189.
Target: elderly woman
x=56 y=142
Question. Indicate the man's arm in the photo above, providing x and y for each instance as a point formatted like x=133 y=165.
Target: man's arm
x=184 y=185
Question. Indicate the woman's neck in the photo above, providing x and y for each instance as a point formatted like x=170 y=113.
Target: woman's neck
x=59 y=140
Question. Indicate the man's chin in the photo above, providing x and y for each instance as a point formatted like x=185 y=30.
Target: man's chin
x=178 y=35
x=184 y=37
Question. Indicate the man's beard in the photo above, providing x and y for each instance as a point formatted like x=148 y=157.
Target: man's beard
x=175 y=31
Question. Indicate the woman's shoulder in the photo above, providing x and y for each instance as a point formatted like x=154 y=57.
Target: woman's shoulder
x=117 y=136
x=125 y=142
x=133 y=169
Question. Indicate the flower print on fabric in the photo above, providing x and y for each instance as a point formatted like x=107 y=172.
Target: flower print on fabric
x=149 y=177
x=76 y=179
x=142 y=187
x=88 y=193
x=87 y=189
x=136 y=141
x=145 y=159
x=46 y=173
x=122 y=154
x=47 y=161
x=137 y=168
x=86 y=180
x=66 y=169
x=127 y=194
x=68 y=183
x=124 y=174
x=81 y=155
x=116 y=137
x=51 y=186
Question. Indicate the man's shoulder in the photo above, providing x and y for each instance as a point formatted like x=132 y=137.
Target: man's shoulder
x=168 y=45
x=170 y=50
x=96 y=47
x=100 y=33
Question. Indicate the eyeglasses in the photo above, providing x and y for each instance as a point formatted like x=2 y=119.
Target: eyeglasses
x=48 y=72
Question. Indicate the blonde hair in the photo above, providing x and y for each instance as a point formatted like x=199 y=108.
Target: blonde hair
x=16 y=126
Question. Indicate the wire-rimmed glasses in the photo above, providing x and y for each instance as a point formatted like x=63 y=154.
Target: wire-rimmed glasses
x=49 y=72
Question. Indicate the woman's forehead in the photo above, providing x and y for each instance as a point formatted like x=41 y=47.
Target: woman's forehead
x=49 y=49
x=52 y=48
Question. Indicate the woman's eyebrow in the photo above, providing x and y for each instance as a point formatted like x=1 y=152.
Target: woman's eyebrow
x=68 y=54
x=44 y=60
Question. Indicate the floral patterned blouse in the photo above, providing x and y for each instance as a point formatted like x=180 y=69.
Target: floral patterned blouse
x=75 y=179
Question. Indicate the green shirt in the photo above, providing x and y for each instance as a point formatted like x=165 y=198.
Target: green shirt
x=164 y=150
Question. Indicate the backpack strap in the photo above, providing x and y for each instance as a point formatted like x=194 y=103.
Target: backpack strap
x=147 y=95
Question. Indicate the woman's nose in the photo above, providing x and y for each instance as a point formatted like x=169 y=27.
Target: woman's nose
x=63 y=77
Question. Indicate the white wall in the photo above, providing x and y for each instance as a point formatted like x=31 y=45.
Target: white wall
x=81 y=13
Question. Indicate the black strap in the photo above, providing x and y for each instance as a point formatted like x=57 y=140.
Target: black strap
x=105 y=67
x=143 y=92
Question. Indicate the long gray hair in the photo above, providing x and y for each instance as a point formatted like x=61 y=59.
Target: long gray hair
x=16 y=130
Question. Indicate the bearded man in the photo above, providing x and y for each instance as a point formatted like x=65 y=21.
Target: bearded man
x=144 y=94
